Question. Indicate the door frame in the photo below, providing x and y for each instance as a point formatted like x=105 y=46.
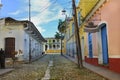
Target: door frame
x=8 y=52
x=100 y=51
x=104 y=41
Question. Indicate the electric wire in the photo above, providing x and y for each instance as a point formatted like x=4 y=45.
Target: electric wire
x=47 y=6
x=53 y=3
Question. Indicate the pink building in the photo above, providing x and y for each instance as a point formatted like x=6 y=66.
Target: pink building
x=104 y=41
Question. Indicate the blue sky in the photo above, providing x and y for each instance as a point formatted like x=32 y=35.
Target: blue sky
x=44 y=13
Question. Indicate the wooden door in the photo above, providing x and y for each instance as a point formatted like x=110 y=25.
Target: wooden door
x=9 y=47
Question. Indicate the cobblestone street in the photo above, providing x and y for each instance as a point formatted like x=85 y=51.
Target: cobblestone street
x=61 y=69
x=32 y=71
x=64 y=69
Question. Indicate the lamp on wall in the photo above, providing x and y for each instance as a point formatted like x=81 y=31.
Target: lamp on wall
x=63 y=12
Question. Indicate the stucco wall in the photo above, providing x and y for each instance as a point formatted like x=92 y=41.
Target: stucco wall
x=111 y=14
x=21 y=41
x=36 y=48
x=26 y=46
x=11 y=31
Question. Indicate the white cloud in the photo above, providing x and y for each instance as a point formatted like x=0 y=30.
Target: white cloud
x=15 y=13
x=47 y=11
x=47 y=15
x=39 y=6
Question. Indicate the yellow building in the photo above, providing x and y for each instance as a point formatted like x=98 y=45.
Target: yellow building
x=98 y=22
x=83 y=9
x=70 y=38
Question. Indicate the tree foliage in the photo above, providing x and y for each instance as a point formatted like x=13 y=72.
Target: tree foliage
x=59 y=35
x=61 y=26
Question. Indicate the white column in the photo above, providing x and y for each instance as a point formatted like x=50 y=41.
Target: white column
x=100 y=57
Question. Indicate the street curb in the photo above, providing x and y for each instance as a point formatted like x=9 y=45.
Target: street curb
x=5 y=71
x=27 y=62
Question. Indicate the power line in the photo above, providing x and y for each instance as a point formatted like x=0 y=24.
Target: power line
x=48 y=6
x=44 y=6
x=66 y=3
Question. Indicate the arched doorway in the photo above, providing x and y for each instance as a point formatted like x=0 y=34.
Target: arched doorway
x=104 y=43
x=46 y=46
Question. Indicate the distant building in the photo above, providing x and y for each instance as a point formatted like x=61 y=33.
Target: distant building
x=52 y=45
x=21 y=37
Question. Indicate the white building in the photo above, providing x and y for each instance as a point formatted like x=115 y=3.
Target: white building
x=21 y=37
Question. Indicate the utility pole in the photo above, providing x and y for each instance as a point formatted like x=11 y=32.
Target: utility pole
x=29 y=35
x=29 y=10
x=77 y=36
x=61 y=42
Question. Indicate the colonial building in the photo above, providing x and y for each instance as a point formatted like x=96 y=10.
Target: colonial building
x=83 y=10
x=53 y=45
x=21 y=38
x=70 y=38
x=103 y=35
x=98 y=22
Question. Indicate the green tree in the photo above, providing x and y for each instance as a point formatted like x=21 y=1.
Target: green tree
x=60 y=34
x=61 y=26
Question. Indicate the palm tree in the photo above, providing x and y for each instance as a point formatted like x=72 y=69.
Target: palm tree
x=61 y=26
x=60 y=34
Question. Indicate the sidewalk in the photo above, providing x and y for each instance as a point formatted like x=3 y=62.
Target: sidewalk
x=4 y=71
x=99 y=70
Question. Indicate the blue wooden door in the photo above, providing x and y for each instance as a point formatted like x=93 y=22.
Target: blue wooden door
x=104 y=44
x=90 y=45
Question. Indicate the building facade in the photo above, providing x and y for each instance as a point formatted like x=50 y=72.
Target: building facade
x=20 y=37
x=103 y=39
x=98 y=22
x=53 y=45
x=70 y=38
x=83 y=10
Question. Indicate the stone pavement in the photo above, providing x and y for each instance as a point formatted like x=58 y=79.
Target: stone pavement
x=33 y=71
x=99 y=70
x=7 y=70
x=4 y=71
